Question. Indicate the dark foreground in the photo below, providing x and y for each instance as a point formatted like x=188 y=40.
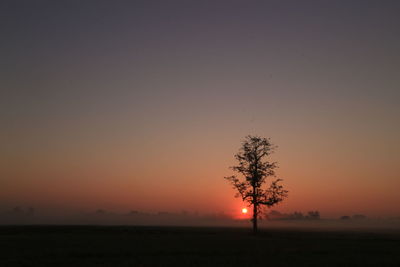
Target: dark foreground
x=186 y=246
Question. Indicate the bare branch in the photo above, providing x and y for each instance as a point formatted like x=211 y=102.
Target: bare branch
x=254 y=170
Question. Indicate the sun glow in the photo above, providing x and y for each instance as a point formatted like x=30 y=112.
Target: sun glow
x=244 y=210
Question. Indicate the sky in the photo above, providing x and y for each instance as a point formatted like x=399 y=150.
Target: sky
x=141 y=105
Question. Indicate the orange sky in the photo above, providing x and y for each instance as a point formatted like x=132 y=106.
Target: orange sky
x=325 y=172
x=128 y=107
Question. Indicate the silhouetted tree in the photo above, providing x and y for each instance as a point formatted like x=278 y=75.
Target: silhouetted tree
x=297 y=216
x=17 y=210
x=100 y=211
x=254 y=169
x=313 y=215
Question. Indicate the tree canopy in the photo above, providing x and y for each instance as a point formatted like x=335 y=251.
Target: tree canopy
x=253 y=169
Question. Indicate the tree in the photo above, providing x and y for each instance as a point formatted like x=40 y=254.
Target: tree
x=254 y=169
x=313 y=215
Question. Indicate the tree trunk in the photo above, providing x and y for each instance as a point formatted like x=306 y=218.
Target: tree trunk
x=255 y=211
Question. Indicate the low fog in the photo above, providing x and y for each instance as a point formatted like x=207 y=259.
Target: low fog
x=272 y=219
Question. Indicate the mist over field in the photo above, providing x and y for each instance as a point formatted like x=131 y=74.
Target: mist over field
x=199 y=133
x=273 y=219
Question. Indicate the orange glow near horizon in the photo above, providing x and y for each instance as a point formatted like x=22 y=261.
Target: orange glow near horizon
x=147 y=116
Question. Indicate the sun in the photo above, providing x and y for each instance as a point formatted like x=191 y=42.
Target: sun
x=244 y=210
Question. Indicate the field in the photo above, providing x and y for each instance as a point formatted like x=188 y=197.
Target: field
x=191 y=246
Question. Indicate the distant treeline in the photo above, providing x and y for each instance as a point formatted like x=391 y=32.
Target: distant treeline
x=30 y=215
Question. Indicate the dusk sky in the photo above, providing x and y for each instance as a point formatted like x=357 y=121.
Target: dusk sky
x=141 y=105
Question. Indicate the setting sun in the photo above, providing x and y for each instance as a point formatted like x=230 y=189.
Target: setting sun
x=244 y=210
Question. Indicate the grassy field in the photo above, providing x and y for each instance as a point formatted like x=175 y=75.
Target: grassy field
x=191 y=246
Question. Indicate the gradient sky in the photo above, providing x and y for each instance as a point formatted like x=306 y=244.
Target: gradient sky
x=142 y=104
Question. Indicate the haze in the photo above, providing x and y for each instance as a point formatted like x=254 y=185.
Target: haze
x=141 y=105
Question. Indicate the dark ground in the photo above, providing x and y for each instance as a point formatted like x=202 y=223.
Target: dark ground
x=191 y=246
